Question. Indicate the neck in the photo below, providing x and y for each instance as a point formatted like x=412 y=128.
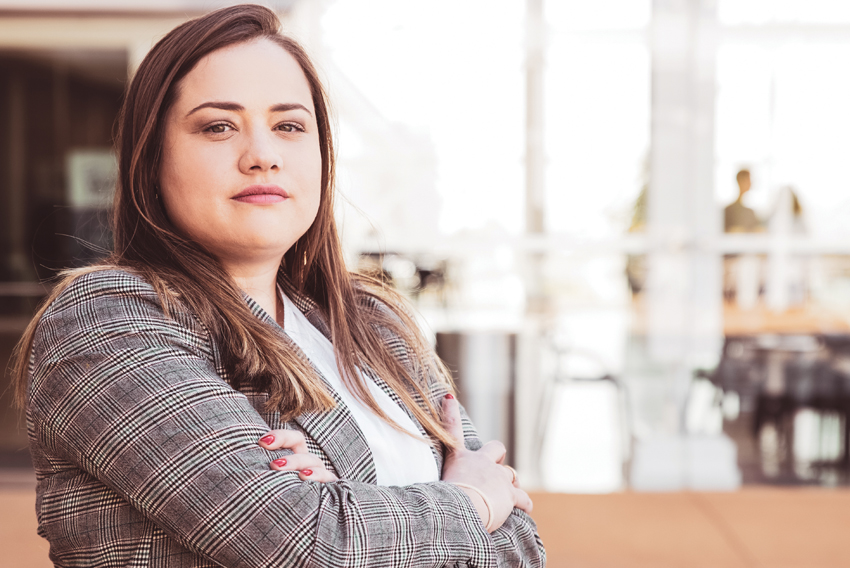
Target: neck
x=260 y=282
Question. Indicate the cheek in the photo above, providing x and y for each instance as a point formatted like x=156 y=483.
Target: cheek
x=311 y=181
x=180 y=207
x=182 y=176
x=317 y=173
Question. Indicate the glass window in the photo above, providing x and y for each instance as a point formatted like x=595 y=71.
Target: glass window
x=422 y=68
x=597 y=134
x=782 y=112
x=755 y=12
x=572 y=15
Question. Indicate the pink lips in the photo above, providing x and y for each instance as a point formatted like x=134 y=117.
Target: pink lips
x=261 y=194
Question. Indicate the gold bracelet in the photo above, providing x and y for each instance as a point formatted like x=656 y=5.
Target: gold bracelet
x=489 y=523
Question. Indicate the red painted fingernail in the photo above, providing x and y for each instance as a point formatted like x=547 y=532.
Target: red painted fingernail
x=450 y=396
x=267 y=439
x=307 y=471
x=279 y=463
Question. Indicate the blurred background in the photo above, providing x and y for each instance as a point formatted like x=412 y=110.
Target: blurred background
x=624 y=223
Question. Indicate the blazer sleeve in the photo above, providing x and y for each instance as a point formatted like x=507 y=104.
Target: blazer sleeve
x=133 y=398
x=517 y=542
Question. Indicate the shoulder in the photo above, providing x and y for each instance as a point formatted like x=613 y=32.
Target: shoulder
x=92 y=285
x=397 y=326
x=392 y=319
x=380 y=302
x=104 y=303
x=100 y=294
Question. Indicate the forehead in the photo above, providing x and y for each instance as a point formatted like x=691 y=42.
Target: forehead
x=259 y=72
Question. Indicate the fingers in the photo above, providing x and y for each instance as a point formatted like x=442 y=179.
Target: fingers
x=451 y=418
x=512 y=474
x=308 y=466
x=318 y=475
x=297 y=462
x=289 y=439
x=523 y=501
x=495 y=450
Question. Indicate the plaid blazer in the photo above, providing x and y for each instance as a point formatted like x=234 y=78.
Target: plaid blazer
x=145 y=456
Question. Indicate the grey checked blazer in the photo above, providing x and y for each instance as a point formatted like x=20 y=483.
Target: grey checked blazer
x=145 y=456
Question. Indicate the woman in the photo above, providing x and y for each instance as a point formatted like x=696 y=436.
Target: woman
x=225 y=316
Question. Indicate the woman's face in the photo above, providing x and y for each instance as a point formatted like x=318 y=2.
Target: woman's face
x=241 y=170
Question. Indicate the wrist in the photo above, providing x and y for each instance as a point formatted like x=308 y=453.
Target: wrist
x=480 y=502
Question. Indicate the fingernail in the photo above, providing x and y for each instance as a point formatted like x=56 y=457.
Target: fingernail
x=307 y=471
x=279 y=463
x=449 y=396
x=267 y=439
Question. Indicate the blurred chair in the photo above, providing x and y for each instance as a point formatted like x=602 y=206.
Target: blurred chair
x=797 y=390
x=584 y=429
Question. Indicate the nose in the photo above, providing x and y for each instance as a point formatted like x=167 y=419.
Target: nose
x=259 y=154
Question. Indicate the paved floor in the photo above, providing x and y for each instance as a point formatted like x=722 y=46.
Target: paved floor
x=21 y=546
x=756 y=527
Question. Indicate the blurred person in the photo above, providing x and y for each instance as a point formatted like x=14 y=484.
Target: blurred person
x=221 y=391
x=742 y=279
x=636 y=269
x=788 y=203
x=790 y=272
x=737 y=217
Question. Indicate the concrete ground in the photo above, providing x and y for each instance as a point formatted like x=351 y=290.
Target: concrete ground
x=755 y=527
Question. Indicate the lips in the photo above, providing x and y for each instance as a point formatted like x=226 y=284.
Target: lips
x=261 y=194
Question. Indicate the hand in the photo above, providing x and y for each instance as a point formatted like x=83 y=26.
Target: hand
x=308 y=466
x=484 y=470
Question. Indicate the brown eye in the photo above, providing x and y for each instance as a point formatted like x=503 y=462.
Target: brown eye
x=290 y=127
x=219 y=128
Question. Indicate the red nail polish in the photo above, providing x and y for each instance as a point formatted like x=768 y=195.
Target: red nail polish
x=449 y=396
x=307 y=472
x=279 y=463
x=267 y=439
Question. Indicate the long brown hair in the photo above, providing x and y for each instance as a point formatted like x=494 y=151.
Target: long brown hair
x=180 y=270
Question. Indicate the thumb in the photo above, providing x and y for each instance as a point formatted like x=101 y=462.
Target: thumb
x=451 y=418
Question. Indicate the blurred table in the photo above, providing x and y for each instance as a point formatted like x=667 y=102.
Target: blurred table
x=809 y=319
x=754 y=527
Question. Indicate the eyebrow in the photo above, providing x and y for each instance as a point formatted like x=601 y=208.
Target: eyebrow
x=236 y=107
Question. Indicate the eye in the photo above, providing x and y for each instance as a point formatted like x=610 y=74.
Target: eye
x=218 y=128
x=290 y=127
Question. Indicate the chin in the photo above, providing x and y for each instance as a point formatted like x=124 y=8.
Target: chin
x=264 y=246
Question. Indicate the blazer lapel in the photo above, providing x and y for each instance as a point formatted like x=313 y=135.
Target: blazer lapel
x=316 y=317
x=334 y=430
x=434 y=443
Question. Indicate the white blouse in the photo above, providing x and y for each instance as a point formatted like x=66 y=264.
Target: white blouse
x=399 y=458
